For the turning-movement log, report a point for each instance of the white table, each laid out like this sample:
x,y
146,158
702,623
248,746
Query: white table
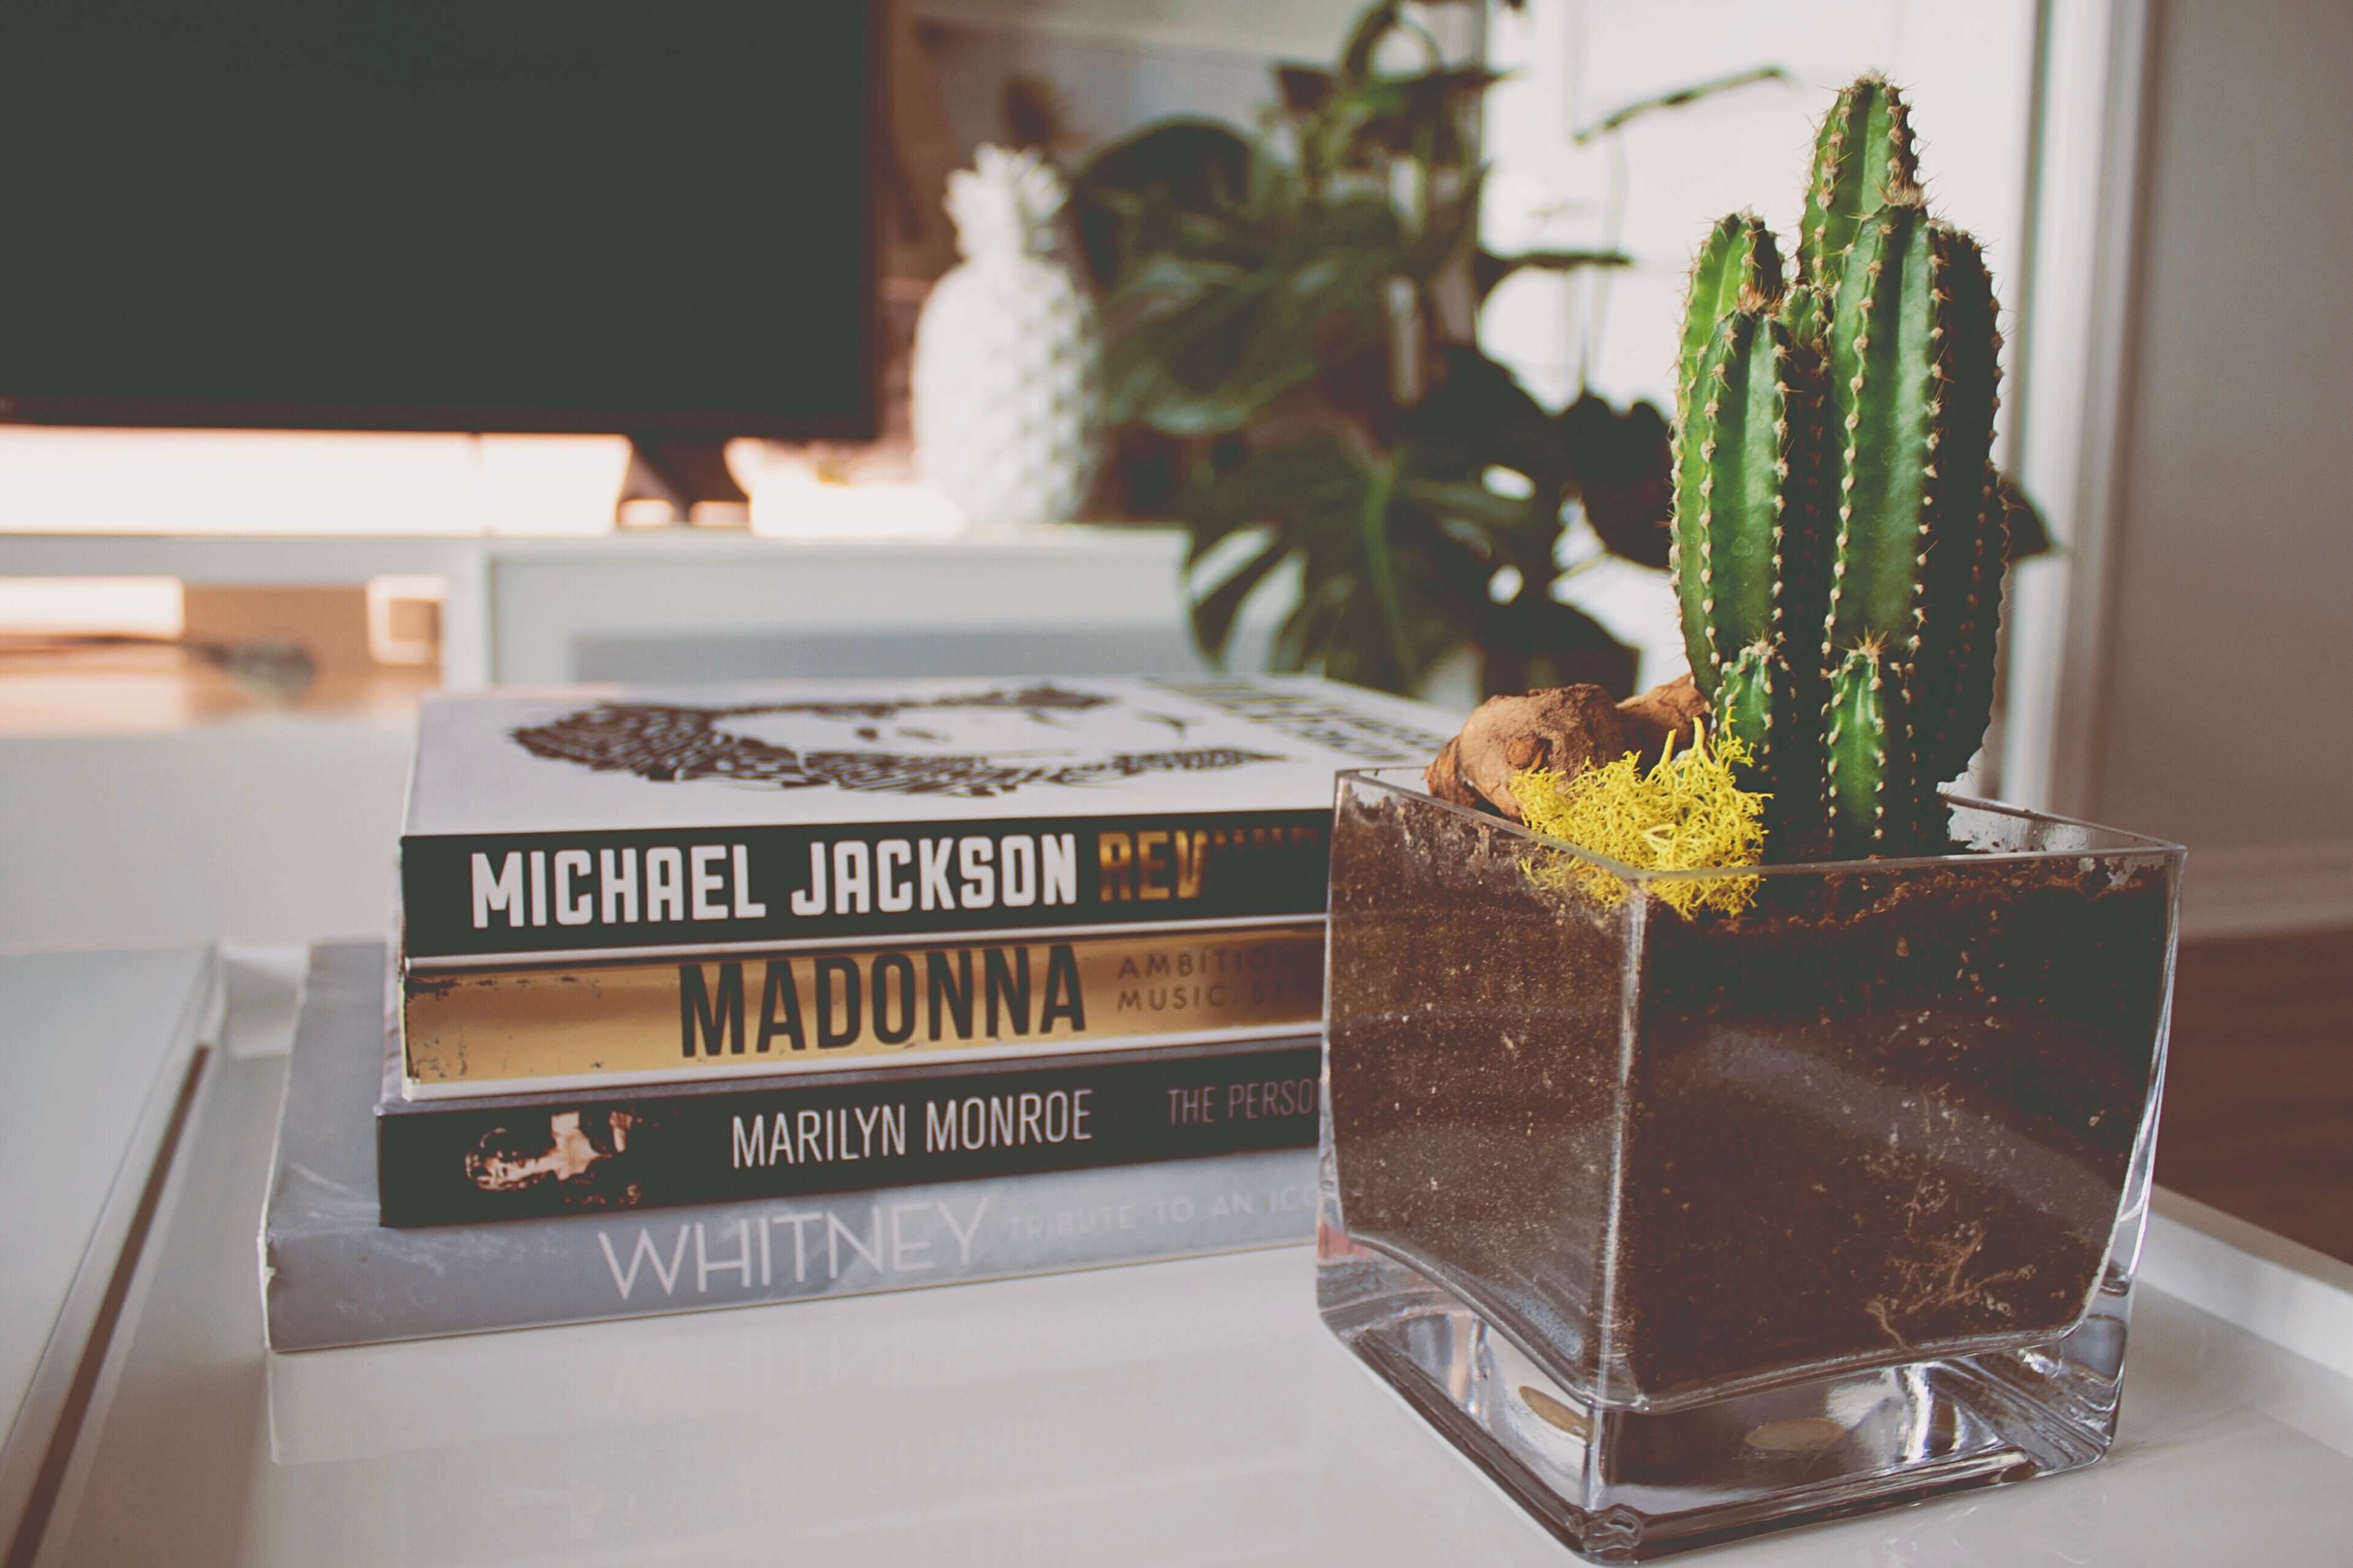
x,y
1181,1412
95,1052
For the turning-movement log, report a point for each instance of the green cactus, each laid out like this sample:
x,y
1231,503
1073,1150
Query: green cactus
x,y
1750,534
1840,535
1862,151
1738,255
1870,770
1913,369
1806,313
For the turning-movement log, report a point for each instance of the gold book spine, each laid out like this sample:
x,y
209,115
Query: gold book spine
x,y
640,1022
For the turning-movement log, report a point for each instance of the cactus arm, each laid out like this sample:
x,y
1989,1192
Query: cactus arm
x,y
1959,606
1805,314
1738,254
1745,697
1883,396
1749,537
1728,497
1771,704
1914,371
1862,153
1873,797
1914,353
1965,658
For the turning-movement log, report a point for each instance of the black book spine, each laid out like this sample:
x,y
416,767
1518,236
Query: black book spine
x,y
461,1162
505,895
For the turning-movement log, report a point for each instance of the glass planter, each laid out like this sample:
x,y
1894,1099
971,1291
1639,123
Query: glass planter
x,y
1688,1229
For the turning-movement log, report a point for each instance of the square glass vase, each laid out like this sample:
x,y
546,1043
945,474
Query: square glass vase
x,y
1685,1229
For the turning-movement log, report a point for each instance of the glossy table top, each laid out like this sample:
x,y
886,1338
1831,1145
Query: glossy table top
x,y
1174,1413
95,1049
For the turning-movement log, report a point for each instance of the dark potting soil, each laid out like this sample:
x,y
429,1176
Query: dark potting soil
x,y
1880,1116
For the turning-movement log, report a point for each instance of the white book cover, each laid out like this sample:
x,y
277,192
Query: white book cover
x,y
603,758
617,821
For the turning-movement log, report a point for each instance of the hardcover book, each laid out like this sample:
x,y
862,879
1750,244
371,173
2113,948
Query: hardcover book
x,y
458,1162
584,1025
620,821
333,1275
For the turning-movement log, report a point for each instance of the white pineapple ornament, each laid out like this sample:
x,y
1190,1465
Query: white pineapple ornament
x,y
1008,375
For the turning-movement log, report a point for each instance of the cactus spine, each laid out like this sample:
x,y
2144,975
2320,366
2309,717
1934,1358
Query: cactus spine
x,y
1840,537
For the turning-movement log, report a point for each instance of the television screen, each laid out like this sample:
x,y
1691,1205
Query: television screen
x,y
631,215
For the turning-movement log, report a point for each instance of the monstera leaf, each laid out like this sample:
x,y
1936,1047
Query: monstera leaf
x,y
1621,465
1204,344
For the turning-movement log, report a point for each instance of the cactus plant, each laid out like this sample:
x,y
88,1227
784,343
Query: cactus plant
x,y
1840,536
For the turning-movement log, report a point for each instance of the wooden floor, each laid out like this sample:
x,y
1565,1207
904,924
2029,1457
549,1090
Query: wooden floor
x,y
2259,1096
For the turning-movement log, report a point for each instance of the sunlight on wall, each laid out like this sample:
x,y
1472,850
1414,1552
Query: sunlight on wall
x,y
69,606
55,480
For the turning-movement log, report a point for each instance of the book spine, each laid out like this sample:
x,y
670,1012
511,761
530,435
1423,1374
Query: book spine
x,y
461,1162
528,1030
473,898
356,1284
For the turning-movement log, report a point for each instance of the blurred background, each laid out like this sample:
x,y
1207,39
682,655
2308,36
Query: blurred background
x,y
347,351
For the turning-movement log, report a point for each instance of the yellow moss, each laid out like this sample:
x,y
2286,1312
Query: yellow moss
x,y
1685,814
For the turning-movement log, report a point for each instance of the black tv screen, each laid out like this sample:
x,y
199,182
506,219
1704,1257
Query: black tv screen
x,y
631,215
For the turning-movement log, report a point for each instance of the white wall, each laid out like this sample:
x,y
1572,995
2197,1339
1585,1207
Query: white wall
x,y
2226,718
2221,720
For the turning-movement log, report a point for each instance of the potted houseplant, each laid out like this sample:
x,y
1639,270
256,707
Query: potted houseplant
x,y
1292,370
1763,1135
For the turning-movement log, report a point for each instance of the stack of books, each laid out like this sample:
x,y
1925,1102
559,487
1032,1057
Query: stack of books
x,y
871,984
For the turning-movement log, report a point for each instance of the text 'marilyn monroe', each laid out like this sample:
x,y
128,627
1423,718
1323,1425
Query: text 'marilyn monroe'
x,y
812,1136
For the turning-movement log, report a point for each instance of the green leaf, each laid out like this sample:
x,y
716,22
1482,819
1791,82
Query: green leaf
x,y
1174,168
1678,98
1373,524
1622,469
1386,590
1536,641
1366,120
1488,269
1365,40
1203,348
2030,531
1473,503
1305,90
1214,613
1447,229
1273,485
1477,416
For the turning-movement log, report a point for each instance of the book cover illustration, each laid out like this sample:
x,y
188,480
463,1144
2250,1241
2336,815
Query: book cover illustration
x,y
969,745
594,758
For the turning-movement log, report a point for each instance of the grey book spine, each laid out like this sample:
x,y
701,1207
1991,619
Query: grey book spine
x,y
333,1275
